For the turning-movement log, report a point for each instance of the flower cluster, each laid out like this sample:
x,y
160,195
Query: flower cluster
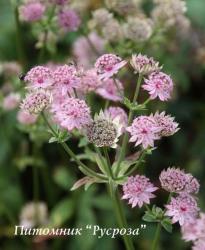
x,y
138,190
146,129
175,180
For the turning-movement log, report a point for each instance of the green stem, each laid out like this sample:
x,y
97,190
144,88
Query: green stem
x,y
70,152
130,117
122,223
156,237
35,183
137,163
45,36
19,40
108,162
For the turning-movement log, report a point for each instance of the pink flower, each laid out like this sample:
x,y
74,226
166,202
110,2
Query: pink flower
x,y
114,112
11,101
111,90
26,118
194,231
65,78
138,190
144,130
199,245
39,77
159,85
36,102
167,123
175,180
189,231
32,11
87,55
108,65
144,65
89,81
182,209
72,113
68,20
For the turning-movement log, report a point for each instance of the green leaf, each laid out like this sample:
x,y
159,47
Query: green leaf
x,y
61,213
167,225
63,178
83,142
100,162
82,181
149,217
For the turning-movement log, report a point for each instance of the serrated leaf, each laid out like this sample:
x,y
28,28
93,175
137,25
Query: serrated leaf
x,y
167,225
149,217
100,162
52,140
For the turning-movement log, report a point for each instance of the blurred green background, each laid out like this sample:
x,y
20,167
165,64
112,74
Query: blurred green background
x,y
185,149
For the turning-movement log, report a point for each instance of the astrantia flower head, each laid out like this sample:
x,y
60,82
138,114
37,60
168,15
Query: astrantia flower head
x,y
111,89
199,245
39,77
89,81
112,31
26,118
175,180
11,101
72,113
182,209
144,65
192,185
159,85
104,131
194,231
34,214
138,29
36,102
32,11
114,112
167,123
65,78
101,17
60,2
144,130
138,190
108,65
68,20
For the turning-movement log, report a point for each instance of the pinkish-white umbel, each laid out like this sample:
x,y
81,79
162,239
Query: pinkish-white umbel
x,y
114,112
32,11
26,118
65,78
39,77
68,20
175,180
111,89
167,123
72,113
11,101
159,85
182,209
138,190
144,65
144,130
108,65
